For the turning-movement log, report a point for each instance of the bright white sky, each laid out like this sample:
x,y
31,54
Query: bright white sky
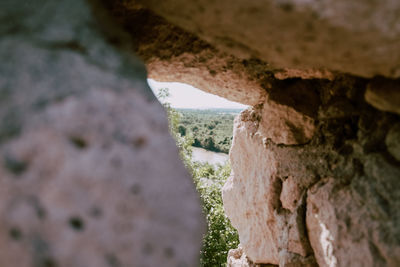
x,y
186,96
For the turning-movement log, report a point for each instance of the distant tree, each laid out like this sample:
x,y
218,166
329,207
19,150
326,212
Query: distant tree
x,y
197,143
184,143
182,130
209,144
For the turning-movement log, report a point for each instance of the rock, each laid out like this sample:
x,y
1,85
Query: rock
x,y
173,54
237,258
89,175
291,194
304,74
251,198
322,237
288,259
393,141
347,228
249,206
220,81
350,217
358,37
384,94
284,125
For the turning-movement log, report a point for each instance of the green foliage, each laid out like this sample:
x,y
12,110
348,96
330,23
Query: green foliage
x,y
184,142
220,236
211,128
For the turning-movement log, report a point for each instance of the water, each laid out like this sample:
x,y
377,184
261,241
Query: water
x,y
214,158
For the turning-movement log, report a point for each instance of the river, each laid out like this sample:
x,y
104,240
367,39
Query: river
x,y
202,155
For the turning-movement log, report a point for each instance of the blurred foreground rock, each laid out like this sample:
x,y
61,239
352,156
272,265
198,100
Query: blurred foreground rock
x,y
89,175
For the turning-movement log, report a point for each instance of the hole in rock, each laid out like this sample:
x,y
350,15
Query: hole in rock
x,y
15,165
49,262
202,125
15,233
76,223
78,142
136,189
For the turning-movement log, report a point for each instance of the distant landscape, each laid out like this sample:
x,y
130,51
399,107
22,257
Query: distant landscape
x,y
211,129
200,134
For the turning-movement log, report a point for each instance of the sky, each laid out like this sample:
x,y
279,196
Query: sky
x,y
186,96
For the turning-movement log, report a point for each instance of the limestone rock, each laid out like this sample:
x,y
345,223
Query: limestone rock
x,y
237,258
284,125
288,259
322,237
351,217
291,194
393,141
211,76
346,228
251,198
384,94
173,54
249,206
89,175
358,37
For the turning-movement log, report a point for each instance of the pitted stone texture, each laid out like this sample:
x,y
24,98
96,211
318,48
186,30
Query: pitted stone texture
x,y
347,228
251,198
358,37
90,191
89,175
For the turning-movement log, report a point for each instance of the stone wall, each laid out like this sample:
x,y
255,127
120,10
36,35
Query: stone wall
x,y
89,175
315,159
330,200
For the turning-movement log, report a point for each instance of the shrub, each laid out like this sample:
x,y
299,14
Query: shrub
x,y
220,236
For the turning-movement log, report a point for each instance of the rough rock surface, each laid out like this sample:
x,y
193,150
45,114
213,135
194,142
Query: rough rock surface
x,y
308,121
348,229
251,198
284,125
358,37
281,203
173,54
393,141
291,194
237,258
89,175
384,94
